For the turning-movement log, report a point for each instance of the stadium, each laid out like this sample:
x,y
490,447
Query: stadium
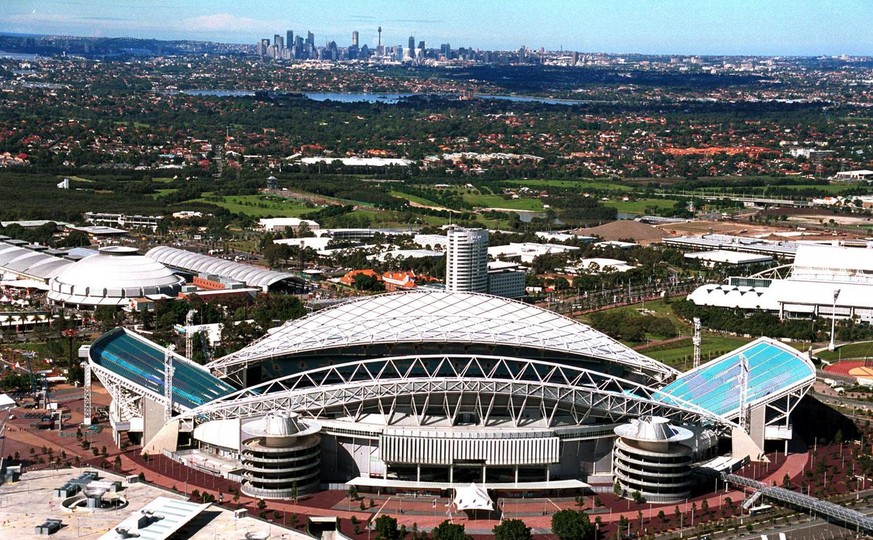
x,y
436,390
826,281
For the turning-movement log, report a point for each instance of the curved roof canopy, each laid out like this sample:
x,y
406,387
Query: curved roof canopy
x,y
435,316
140,363
775,369
27,262
112,277
253,276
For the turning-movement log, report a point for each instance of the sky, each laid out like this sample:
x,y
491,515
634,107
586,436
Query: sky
x,y
739,27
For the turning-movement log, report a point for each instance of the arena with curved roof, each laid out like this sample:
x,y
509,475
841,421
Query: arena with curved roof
x,y
198,263
430,390
113,277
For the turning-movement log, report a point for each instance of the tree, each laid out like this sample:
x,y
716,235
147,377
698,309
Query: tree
x,y
448,531
572,525
511,529
366,282
386,528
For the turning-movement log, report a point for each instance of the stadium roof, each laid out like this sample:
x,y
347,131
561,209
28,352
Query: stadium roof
x,y
835,263
735,296
774,369
142,363
26,262
253,276
438,316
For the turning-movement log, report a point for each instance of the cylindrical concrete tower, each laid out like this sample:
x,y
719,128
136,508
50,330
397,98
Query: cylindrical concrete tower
x,y
283,459
648,458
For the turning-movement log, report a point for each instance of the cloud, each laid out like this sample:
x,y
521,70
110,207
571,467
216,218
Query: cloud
x,y
224,22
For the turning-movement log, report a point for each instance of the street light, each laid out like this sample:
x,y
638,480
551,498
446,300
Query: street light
x,y
832,345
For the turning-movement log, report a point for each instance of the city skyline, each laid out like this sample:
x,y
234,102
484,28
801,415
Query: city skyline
x,y
740,27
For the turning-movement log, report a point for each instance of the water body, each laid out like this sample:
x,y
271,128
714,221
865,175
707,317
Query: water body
x,y
532,99
526,216
361,97
218,93
386,98
18,56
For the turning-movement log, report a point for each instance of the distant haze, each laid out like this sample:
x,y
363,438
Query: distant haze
x,y
741,27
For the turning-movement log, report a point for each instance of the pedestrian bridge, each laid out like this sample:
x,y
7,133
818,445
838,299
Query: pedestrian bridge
x,y
817,507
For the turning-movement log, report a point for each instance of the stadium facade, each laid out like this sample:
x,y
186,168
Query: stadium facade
x,y
823,280
431,390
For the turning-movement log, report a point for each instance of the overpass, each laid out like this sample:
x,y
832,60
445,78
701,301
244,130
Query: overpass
x,y
833,512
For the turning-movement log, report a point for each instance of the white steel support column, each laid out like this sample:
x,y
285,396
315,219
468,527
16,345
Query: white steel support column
x,y
88,413
168,383
833,344
744,393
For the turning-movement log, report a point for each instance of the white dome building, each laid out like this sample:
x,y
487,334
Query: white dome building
x,y
112,277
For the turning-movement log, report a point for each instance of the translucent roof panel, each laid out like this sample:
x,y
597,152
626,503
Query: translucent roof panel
x,y
436,316
253,276
142,363
774,369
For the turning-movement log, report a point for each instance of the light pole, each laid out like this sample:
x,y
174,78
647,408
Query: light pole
x,y
832,345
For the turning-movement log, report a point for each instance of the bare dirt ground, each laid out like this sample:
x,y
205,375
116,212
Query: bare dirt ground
x,y
739,228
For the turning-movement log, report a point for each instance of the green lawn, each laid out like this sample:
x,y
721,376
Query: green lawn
x,y
164,192
497,201
863,349
579,184
639,206
412,198
680,354
258,205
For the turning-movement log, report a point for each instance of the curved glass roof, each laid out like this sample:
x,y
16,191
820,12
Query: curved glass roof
x,y
774,369
252,276
142,363
435,316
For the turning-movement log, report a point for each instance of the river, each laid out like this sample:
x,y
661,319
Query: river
x,y
381,97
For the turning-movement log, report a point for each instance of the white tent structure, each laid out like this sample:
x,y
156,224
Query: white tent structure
x,y
6,402
472,497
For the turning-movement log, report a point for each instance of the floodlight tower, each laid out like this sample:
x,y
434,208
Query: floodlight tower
x,y
696,341
87,412
744,392
189,341
833,345
168,382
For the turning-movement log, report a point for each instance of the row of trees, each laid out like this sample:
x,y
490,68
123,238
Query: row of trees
x,y
566,525
742,322
628,325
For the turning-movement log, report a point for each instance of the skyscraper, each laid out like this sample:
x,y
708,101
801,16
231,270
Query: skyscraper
x,y
355,38
310,39
467,260
289,38
263,45
412,44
